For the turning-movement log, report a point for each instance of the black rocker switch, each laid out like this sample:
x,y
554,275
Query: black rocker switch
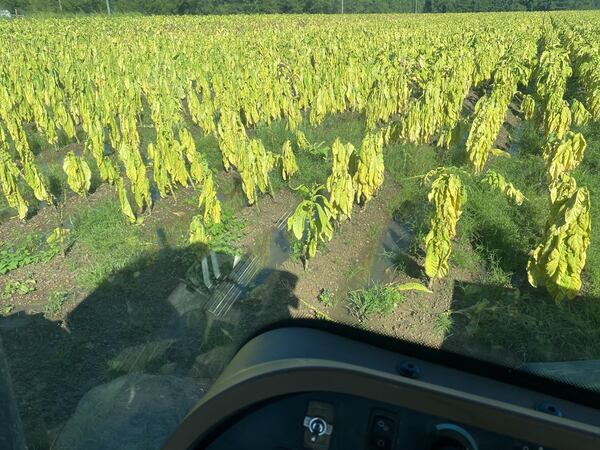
x,y
382,432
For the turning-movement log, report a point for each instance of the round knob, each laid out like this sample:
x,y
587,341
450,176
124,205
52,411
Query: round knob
x,y
452,437
317,426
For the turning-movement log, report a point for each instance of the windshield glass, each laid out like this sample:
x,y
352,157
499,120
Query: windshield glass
x,y
171,185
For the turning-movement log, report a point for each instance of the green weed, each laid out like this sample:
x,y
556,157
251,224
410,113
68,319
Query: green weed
x,y
37,141
398,260
7,310
326,298
6,211
57,180
225,235
348,126
311,170
273,136
55,303
319,150
314,163
296,248
18,288
443,323
495,275
31,250
378,300
499,229
209,147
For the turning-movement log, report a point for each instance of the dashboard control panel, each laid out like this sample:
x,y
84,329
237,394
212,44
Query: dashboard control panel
x,y
298,388
329,421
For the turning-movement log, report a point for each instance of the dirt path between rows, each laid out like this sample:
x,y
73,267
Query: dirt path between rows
x,y
344,264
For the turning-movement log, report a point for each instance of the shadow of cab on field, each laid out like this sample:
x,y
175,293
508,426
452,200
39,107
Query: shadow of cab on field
x,y
147,319
524,328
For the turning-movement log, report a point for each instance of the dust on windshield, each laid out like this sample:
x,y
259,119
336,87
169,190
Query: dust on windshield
x,y
192,179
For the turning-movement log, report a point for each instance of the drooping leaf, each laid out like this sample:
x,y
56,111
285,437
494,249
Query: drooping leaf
x,y
413,286
497,181
447,194
79,176
558,260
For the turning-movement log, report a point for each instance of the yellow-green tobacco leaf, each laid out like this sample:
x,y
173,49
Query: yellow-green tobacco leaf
x,y
79,176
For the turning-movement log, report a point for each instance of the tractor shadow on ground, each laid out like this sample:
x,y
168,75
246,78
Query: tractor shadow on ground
x,y
145,319
519,326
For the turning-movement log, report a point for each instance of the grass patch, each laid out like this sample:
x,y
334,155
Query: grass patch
x,y
209,147
493,234
315,165
230,187
404,163
532,141
443,323
379,300
397,259
111,244
354,271
502,233
527,323
224,239
495,275
404,160
312,169
37,141
6,310
465,257
57,180
56,302
375,230
348,126
272,136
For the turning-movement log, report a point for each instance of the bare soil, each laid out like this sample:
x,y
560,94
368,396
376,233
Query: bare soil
x,y
344,264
